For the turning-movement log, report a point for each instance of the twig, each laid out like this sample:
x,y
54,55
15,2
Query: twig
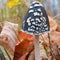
x,y
50,46
7,53
56,16
44,46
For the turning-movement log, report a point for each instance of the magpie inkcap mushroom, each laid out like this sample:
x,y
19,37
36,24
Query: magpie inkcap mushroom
x,y
36,20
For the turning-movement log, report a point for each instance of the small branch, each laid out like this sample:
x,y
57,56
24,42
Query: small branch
x,y
7,53
44,43
50,46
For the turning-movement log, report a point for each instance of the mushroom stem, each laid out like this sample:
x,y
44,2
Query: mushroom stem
x,y
37,50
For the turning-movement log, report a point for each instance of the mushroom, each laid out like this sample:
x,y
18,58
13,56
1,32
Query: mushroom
x,y
36,22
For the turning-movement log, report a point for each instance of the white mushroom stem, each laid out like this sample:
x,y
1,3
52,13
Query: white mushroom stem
x,y
37,48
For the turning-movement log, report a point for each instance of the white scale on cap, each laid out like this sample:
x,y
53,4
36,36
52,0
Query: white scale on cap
x,y
33,22
28,20
37,2
29,23
36,14
32,26
39,10
38,19
32,19
36,5
30,11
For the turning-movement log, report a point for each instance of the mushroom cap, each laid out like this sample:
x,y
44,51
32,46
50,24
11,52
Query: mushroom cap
x,y
36,20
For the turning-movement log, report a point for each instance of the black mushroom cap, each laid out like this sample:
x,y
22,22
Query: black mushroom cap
x,y
36,20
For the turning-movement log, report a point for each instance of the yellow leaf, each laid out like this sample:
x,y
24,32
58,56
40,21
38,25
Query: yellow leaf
x,y
12,3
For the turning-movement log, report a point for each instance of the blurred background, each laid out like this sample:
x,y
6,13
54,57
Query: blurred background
x,y
17,13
